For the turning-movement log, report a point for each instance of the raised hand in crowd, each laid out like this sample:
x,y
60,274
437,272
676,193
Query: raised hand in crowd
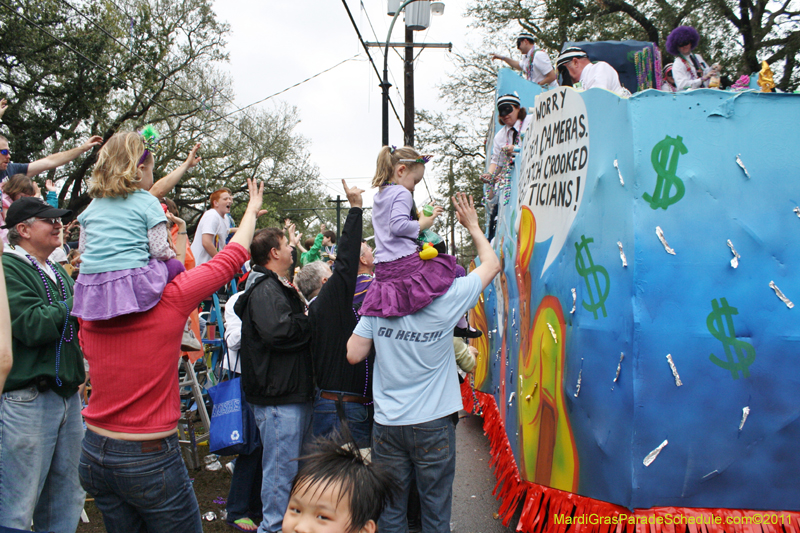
x,y
292,235
468,217
353,195
465,212
50,186
3,107
247,226
71,226
192,159
163,186
94,140
261,213
179,246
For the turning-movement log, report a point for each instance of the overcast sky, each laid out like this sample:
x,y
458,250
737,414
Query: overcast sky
x,y
275,44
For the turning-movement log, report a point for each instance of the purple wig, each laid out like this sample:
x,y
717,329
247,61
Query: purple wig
x,y
680,36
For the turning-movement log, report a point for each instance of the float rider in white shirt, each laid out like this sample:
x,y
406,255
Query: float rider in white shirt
x,y
535,64
587,75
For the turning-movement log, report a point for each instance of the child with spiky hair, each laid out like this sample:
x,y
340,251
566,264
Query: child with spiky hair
x,y
337,490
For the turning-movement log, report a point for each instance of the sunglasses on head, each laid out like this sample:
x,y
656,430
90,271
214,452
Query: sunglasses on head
x,y
505,109
5,152
421,159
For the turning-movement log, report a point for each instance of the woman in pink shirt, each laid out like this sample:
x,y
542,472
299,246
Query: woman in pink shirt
x,y
131,462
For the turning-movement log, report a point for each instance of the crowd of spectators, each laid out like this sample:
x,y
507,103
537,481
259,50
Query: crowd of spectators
x,y
312,367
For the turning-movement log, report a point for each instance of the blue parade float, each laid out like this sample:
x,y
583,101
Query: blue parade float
x,y
640,362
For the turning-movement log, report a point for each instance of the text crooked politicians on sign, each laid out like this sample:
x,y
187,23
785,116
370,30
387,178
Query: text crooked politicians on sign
x,y
555,155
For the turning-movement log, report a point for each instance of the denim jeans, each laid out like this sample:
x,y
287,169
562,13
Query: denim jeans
x,y
40,444
139,486
358,416
428,450
283,429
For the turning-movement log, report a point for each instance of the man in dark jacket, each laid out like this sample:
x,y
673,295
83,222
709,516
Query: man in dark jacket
x,y
276,369
40,412
344,390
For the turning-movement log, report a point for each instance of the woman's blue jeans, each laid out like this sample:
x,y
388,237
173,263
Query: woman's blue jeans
x,y
139,486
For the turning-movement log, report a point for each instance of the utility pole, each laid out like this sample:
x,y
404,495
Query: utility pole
x,y
338,203
385,85
408,71
451,182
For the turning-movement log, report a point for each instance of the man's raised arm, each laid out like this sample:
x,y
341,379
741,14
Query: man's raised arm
x,y
468,217
62,158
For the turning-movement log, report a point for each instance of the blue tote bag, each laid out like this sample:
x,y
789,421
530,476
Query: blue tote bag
x,y
233,426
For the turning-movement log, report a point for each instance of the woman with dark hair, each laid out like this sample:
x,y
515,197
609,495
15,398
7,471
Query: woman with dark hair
x,y
689,70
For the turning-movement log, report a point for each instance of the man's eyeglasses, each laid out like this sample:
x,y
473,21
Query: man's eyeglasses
x,y
505,109
52,221
6,152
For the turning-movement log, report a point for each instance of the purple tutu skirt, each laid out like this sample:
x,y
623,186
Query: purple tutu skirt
x,y
134,290
406,285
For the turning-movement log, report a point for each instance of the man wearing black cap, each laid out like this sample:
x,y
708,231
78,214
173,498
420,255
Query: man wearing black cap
x,y
535,64
40,412
586,75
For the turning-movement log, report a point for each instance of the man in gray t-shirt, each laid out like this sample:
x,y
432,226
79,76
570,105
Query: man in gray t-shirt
x,y
416,391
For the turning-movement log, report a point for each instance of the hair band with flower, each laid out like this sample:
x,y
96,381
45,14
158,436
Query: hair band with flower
x,y
151,138
421,159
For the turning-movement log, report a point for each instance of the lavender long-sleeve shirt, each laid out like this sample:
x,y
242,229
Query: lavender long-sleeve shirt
x,y
395,231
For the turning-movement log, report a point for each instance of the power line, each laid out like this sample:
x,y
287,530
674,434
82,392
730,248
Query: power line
x,y
396,85
293,86
366,49
166,78
124,82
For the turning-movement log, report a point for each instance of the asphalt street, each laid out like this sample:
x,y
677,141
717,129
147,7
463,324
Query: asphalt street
x,y
474,506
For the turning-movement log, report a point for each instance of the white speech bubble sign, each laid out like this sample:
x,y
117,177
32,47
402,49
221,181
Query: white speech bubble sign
x,y
555,157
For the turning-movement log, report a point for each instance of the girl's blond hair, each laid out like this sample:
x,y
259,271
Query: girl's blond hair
x,y
388,159
115,173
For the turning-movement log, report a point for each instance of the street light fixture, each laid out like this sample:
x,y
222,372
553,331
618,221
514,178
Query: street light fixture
x,y
385,85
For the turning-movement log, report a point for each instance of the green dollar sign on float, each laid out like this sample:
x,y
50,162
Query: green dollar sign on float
x,y
745,353
665,156
587,268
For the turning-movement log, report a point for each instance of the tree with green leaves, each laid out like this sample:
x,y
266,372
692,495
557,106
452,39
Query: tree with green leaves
x,y
738,34
71,70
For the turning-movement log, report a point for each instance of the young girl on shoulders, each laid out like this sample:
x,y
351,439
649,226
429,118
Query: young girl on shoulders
x,y
404,282
126,257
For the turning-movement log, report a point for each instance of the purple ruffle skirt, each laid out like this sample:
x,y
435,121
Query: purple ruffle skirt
x,y
406,285
121,292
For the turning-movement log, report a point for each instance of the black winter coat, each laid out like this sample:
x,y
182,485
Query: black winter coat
x,y
276,340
